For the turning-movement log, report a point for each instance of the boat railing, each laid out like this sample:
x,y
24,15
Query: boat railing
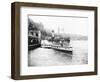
x,y
56,46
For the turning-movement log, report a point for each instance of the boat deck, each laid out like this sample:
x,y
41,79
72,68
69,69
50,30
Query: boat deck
x,y
67,49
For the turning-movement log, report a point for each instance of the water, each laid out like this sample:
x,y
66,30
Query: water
x,y
50,57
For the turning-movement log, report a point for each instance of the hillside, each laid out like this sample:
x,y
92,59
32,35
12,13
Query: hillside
x,y
47,33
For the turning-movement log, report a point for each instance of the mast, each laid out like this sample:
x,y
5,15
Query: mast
x,y
58,30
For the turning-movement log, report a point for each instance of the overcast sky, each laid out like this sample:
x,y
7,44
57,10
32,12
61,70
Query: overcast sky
x,y
72,25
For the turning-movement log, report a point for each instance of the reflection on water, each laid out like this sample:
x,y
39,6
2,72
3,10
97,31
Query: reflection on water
x,y
50,57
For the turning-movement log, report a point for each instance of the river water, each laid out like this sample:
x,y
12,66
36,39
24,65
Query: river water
x,y
50,57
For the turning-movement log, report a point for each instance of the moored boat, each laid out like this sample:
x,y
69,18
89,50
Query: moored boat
x,y
63,49
67,49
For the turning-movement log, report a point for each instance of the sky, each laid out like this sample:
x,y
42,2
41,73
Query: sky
x,y
68,25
